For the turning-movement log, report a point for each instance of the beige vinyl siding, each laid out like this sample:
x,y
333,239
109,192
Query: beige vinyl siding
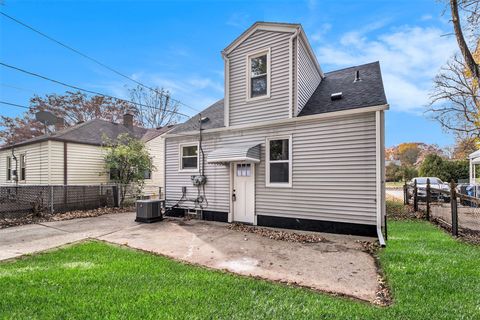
x,y
85,164
36,163
333,175
275,107
156,148
56,162
307,74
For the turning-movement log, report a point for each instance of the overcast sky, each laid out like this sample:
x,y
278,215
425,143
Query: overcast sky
x,y
176,45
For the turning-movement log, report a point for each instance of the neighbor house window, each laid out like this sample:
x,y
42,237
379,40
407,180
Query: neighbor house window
x,y
279,162
9,168
22,168
258,75
114,174
189,157
147,174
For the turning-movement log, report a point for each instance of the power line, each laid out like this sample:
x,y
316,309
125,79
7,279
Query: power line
x,y
85,90
14,104
93,60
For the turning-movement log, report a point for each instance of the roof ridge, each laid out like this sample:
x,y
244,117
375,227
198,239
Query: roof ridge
x,y
352,67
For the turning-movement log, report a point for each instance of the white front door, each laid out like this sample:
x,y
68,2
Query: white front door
x,y
243,196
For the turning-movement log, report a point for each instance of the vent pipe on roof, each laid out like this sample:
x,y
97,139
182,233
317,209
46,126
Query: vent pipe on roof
x,y
59,124
357,76
336,96
128,120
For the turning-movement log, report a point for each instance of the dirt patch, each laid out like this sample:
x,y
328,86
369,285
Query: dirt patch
x,y
45,217
278,235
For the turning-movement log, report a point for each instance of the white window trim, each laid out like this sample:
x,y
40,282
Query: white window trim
x,y
267,163
8,160
250,56
24,166
180,156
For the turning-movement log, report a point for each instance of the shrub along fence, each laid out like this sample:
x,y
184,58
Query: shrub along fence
x,y
457,212
17,201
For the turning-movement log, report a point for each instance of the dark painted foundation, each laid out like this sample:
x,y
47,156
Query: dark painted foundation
x,y
317,225
207,215
215,216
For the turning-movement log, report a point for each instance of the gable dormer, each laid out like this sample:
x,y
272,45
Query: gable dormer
x,y
270,73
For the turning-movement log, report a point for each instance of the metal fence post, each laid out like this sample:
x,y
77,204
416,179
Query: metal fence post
x,y
427,215
454,208
405,193
415,197
51,200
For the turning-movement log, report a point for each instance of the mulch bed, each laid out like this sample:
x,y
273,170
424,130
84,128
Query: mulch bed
x,y
45,217
278,235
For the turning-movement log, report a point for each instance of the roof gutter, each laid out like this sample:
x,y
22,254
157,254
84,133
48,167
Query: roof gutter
x,y
326,115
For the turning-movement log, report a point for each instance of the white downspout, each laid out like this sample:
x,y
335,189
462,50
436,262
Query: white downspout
x,y
226,95
290,77
379,175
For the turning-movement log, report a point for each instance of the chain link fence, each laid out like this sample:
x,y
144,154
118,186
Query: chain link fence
x,y
450,207
17,201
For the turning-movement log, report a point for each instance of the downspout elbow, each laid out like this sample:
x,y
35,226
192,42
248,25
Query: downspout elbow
x,y
381,239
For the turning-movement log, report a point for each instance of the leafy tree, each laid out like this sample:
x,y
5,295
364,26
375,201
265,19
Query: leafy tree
x,y
408,153
408,172
393,172
463,148
127,160
446,170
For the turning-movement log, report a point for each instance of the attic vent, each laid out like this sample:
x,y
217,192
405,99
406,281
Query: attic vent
x,y
336,96
357,76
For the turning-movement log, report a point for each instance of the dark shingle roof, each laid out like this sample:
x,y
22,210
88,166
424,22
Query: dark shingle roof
x,y
93,132
365,93
214,113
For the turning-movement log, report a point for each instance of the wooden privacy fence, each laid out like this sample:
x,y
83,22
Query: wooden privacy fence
x,y
454,210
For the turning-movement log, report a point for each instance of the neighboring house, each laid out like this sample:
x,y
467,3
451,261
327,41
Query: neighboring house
x,y
75,156
288,146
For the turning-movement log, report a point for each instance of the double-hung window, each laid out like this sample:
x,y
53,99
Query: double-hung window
x,y
9,168
279,162
189,157
258,75
22,168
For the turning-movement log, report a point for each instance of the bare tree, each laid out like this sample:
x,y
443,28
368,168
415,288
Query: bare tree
x,y
155,108
73,107
454,100
471,10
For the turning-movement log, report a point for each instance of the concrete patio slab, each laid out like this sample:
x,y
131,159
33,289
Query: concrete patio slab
x,y
337,265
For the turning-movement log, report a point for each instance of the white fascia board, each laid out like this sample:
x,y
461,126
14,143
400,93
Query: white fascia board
x,y
327,115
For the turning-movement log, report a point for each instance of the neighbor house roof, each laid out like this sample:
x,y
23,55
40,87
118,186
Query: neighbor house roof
x,y
367,92
93,132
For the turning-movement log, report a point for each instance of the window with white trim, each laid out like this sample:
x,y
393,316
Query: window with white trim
x,y
23,168
189,157
258,75
279,161
9,168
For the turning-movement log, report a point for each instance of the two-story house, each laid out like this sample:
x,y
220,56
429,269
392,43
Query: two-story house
x,y
288,146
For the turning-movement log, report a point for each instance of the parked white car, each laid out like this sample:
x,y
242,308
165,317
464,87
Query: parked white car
x,y
435,184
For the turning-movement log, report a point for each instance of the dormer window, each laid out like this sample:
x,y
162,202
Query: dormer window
x,y
258,74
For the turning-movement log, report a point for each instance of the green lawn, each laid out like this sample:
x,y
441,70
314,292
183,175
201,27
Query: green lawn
x,y
394,184
432,276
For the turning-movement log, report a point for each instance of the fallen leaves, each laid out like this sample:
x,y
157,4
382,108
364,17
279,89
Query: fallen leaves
x,y
30,218
277,235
